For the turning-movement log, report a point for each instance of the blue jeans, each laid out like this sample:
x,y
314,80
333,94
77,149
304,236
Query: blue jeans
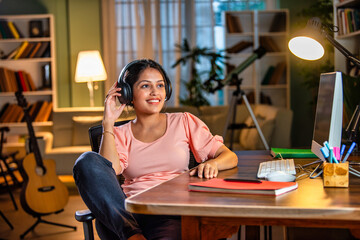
x,y
100,190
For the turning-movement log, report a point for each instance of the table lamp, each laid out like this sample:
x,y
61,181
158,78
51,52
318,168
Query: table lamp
x,y
90,68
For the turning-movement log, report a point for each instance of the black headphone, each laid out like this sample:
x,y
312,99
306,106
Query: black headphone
x,y
126,91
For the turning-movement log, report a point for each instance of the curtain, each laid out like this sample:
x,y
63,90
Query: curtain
x,y
134,29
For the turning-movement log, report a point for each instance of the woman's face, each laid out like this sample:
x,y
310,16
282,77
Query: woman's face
x,y
149,92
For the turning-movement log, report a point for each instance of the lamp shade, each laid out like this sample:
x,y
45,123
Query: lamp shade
x,y
307,43
90,67
306,48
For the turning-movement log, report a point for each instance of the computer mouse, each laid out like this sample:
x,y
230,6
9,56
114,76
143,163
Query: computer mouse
x,y
280,176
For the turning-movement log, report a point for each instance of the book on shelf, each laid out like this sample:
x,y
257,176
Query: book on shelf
x,y
18,114
12,113
277,77
12,54
267,76
21,49
4,109
36,109
291,153
278,23
45,115
21,81
44,46
233,24
2,31
13,29
217,185
3,85
5,30
35,50
29,81
40,115
238,47
27,50
269,44
9,81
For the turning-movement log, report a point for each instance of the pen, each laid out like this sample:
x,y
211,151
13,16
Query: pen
x,y
342,151
325,152
326,144
333,155
349,151
242,180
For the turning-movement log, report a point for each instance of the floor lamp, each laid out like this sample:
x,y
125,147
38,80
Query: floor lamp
x,y
90,68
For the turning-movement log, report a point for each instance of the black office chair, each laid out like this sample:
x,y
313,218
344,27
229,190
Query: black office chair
x,y
86,216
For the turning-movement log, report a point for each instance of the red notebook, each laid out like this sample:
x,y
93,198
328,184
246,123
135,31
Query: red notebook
x,y
262,188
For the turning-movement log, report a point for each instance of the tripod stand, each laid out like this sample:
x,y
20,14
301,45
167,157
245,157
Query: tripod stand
x,y
238,94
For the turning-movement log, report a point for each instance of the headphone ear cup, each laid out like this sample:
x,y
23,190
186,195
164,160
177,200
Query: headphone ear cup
x,y
168,88
126,94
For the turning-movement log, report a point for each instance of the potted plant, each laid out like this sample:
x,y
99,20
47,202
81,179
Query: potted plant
x,y
195,85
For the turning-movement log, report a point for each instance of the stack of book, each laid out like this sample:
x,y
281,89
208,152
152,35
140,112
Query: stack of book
x,y
29,50
12,81
39,111
348,20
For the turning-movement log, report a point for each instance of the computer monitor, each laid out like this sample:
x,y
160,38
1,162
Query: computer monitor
x,y
329,113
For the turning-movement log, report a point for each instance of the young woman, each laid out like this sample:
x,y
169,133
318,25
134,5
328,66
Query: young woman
x,y
149,150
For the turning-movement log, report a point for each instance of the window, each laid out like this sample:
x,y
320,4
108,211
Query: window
x,y
152,28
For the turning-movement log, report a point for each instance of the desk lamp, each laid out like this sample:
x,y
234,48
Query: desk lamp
x,y
90,68
307,45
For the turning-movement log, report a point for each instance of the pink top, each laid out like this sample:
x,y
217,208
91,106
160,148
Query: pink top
x,y
148,164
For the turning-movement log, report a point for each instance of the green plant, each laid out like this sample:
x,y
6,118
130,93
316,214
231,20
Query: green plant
x,y
195,86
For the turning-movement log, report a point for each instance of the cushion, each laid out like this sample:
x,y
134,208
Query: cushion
x,y
249,137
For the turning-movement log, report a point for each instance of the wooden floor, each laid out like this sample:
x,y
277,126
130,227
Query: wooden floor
x,y
22,221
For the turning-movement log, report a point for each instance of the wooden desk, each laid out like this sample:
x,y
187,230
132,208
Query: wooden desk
x,y
216,215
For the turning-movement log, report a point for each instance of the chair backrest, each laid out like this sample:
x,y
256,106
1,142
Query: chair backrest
x,y
95,133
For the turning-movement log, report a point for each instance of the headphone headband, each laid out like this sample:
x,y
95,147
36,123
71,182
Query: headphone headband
x,y
126,90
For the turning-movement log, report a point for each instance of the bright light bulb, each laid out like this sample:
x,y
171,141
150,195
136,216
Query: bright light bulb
x,y
306,48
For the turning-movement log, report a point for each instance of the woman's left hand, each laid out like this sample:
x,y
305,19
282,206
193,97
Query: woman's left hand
x,y
208,169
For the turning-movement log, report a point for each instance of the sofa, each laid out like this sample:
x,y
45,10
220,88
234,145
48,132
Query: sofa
x,y
69,136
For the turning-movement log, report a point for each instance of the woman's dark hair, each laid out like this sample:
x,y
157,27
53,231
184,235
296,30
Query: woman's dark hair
x,y
134,71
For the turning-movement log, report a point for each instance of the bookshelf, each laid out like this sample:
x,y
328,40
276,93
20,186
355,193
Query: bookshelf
x,y
245,31
27,51
349,34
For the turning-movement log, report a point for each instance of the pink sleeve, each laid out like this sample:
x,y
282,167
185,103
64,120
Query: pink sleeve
x,y
122,146
202,143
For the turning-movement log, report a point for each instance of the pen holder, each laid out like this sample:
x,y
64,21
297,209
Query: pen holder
x,y
336,174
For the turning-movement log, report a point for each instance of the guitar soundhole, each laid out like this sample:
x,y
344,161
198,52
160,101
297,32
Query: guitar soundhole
x,y
40,171
46,189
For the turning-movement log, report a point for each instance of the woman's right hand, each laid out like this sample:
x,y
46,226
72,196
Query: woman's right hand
x,y
111,110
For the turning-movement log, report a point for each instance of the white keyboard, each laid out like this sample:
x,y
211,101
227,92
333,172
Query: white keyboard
x,y
285,165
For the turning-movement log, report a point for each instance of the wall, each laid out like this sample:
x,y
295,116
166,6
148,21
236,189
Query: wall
x,y
76,28
303,121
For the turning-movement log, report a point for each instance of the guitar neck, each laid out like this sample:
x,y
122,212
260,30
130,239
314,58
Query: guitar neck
x,y
33,144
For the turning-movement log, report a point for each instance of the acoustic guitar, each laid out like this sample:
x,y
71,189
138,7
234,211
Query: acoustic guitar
x,y
42,192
